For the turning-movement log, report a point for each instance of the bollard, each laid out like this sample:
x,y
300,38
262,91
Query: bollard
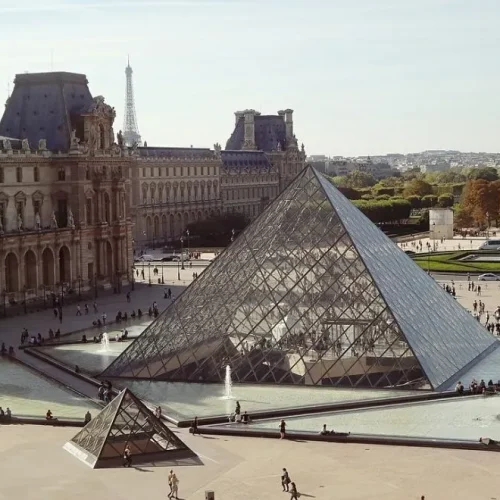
x,y
209,495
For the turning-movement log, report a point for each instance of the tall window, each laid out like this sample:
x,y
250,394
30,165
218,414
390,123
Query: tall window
x,y
36,174
87,173
88,207
61,174
20,209
1,175
37,206
62,213
2,213
19,174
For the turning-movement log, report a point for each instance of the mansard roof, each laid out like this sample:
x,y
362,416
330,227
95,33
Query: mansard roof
x,y
245,159
44,106
166,152
269,131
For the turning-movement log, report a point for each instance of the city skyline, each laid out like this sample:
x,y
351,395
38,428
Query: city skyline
x,y
363,80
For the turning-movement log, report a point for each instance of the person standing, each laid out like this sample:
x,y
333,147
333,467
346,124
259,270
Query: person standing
x,y
285,480
195,426
282,429
127,457
78,310
294,494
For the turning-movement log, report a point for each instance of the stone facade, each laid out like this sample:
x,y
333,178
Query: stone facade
x,y
173,187
64,191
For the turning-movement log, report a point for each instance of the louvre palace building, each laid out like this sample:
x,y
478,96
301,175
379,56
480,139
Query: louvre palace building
x,y
75,201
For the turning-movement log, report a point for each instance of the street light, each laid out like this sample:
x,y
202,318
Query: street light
x,y
232,235
95,285
149,268
179,270
79,287
182,253
187,232
162,280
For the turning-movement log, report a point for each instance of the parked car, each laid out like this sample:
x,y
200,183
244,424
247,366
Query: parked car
x,y
145,258
488,277
409,252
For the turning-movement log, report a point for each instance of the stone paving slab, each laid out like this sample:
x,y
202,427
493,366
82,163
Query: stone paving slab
x,y
34,466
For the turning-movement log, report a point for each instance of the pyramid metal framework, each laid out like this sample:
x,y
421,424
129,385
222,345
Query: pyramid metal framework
x,y
313,293
126,421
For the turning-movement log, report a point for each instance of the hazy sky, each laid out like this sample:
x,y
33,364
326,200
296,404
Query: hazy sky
x,y
363,76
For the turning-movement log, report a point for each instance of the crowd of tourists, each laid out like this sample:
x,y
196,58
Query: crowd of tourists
x,y
481,387
105,391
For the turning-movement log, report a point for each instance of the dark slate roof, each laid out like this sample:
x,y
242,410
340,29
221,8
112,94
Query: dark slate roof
x,y
245,159
44,106
269,130
153,152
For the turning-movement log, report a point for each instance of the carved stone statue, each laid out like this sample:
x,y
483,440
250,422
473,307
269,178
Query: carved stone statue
x,y
119,138
38,222
19,222
25,145
217,150
53,221
42,145
278,146
71,219
302,148
74,140
111,136
7,145
83,148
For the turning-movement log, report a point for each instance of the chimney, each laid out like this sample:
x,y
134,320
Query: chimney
x,y
237,116
249,139
289,123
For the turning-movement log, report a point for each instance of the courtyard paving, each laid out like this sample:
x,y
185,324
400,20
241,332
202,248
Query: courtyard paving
x,y
34,466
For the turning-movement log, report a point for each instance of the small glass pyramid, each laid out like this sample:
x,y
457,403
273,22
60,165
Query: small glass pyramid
x,y
126,421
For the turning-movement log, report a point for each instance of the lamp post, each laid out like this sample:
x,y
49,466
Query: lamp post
x,y
62,293
187,233
24,297
79,287
4,295
232,235
182,253
95,285
162,280
133,278
179,270
149,269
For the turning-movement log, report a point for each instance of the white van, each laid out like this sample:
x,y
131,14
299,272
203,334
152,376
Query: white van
x,y
490,245
145,258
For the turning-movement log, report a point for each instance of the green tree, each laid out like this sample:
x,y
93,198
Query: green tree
x,y
485,173
415,201
358,179
445,200
429,200
417,187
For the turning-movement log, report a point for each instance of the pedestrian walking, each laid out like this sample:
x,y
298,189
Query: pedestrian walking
x,y
195,426
294,494
175,487
127,457
285,480
104,316
282,429
128,296
86,309
95,307
78,311
170,475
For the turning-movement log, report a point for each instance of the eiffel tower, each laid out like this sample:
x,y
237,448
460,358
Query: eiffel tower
x,y
131,134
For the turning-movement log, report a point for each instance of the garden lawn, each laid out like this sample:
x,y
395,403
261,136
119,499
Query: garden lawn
x,y
447,261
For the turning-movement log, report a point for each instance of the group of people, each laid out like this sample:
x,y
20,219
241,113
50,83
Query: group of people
x,y
481,387
288,485
4,351
105,392
238,417
5,415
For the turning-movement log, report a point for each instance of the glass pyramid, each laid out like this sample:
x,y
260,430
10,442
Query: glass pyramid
x,y
126,421
313,293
